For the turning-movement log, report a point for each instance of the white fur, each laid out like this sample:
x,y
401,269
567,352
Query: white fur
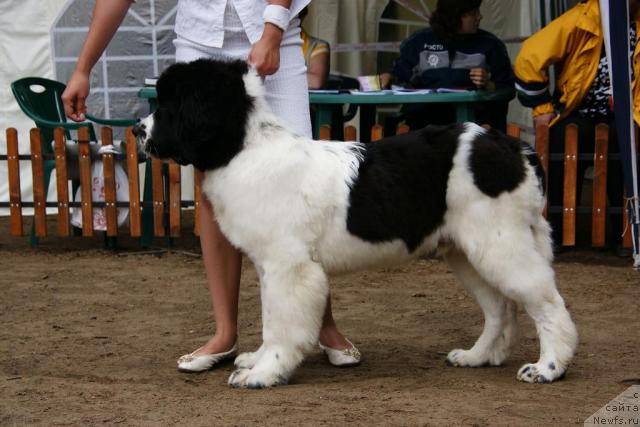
x,y
284,199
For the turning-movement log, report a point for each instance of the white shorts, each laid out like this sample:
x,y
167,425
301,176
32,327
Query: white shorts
x,y
286,90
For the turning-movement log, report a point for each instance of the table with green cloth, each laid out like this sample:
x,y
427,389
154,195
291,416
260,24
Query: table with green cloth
x,y
324,104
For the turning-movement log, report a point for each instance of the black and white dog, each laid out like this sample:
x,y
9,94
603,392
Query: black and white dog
x,y
301,209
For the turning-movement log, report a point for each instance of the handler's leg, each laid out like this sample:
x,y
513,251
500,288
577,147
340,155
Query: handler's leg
x,y
222,263
287,95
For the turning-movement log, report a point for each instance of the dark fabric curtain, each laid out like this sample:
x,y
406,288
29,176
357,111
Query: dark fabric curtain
x,y
623,108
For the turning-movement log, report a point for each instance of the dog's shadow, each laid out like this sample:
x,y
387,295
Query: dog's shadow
x,y
401,362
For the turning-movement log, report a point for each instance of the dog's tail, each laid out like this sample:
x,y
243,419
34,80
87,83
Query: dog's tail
x,y
532,157
540,227
542,237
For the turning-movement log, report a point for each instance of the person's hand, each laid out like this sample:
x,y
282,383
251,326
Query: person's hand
x,y
74,96
543,119
479,76
385,80
265,54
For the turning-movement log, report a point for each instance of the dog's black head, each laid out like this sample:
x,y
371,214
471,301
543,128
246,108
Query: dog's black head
x,y
202,113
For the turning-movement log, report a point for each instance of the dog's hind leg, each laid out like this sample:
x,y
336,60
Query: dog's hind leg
x,y
500,325
516,267
294,295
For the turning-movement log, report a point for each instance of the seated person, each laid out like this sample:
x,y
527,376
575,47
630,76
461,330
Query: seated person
x,y
584,97
316,57
454,53
316,54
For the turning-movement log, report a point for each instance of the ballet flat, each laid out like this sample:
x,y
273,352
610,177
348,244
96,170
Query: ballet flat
x,y
343,357
192,363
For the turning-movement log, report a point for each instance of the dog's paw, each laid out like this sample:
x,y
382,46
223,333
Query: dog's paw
x,y
246,360
466,359
251,378
539,373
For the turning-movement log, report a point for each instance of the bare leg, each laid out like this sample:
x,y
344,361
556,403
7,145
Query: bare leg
x,y
330,336
222,263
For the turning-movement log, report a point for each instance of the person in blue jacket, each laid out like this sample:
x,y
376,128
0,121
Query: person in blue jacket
x,y
454,53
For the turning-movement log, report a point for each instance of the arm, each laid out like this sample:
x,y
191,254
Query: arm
x,y
107,16
498,72
265,54
404,65
481,77
318,68
540,51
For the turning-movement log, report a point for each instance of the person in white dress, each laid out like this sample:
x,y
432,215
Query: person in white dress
x,y
267,35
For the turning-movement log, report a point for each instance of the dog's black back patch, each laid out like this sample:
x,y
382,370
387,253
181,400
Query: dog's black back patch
x,y
400,190
496,163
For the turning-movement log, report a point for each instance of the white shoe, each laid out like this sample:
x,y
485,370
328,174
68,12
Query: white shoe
x,y
343,358
192,363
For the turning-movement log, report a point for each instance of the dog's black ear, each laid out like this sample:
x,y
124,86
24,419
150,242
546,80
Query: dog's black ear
x,y
212,113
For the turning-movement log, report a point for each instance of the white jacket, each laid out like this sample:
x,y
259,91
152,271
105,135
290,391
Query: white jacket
x,y
202,21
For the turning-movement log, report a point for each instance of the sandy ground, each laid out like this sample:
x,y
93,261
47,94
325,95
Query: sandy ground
x,y
91,338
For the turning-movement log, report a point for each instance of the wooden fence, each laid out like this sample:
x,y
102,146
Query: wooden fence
x,y
159,206
167,213
569,208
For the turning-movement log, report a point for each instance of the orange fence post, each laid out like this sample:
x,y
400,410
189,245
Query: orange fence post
x,y
542,148
570,183
15,197
158,197
350,133
62,185
109,174
325,133
37,169
402,128
377,133
84,163
513,130
599,210
175,197
133,176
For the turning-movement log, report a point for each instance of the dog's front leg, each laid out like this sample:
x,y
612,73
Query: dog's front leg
x,y
294,295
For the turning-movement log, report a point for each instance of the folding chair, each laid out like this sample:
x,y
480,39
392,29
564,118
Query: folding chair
x,y
41,100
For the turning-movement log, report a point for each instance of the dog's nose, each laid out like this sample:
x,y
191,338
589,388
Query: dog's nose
x,y
140,130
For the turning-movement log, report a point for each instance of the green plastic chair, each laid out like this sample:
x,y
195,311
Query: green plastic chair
x,y
41,100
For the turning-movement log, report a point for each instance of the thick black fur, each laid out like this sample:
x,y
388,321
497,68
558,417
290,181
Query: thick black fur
x,y
202,113
400,191
534,160
496,163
